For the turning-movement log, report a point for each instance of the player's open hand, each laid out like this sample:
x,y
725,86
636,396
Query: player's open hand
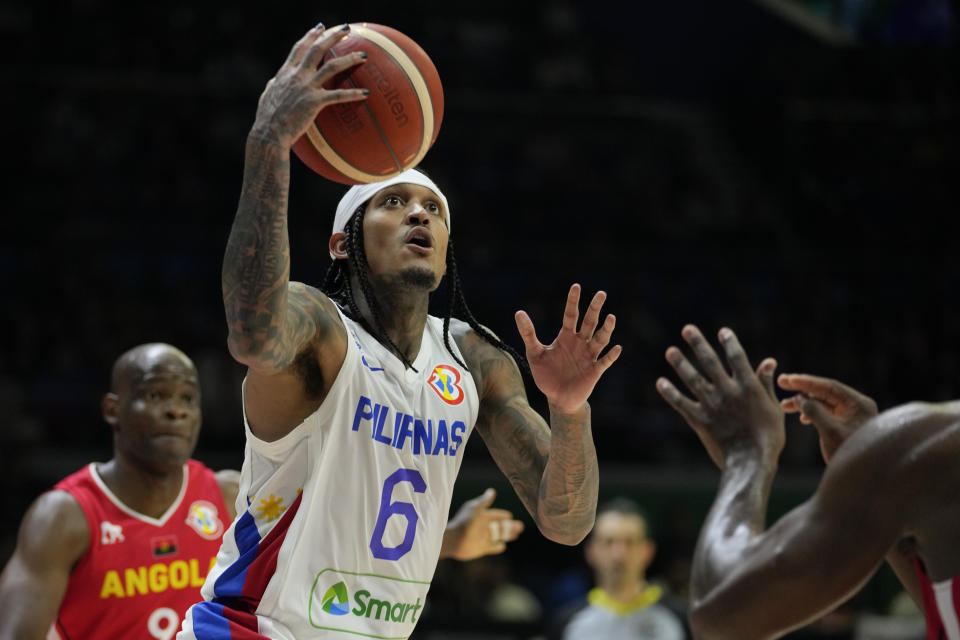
x,y
567,370
833,408
295,95
734,412
477,530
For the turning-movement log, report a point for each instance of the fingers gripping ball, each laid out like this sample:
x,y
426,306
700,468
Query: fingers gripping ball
x,y
390,131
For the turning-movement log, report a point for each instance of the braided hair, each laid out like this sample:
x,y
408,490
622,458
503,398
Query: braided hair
x,y
336,284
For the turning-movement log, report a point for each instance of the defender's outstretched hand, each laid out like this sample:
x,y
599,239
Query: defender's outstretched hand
x,y
567,370
293,97
477,530
833,408
732,412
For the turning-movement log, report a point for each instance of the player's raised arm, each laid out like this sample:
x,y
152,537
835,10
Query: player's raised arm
x,y
747,582
553,469
53,537
269,320
837,411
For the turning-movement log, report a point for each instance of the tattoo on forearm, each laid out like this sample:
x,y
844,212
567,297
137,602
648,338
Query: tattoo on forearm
x,y
256,265
571,479
525,448
554,471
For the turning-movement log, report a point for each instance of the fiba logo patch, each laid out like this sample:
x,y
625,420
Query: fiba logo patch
x,y
202,518
334,601
445,380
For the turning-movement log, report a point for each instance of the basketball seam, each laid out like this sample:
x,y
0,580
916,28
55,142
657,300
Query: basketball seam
x,y
424,99
373,118
331,155
348,169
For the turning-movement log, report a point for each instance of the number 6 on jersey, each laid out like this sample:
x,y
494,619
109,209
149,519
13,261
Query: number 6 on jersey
x,y
405,509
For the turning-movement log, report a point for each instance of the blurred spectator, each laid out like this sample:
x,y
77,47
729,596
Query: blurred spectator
x,y
623,605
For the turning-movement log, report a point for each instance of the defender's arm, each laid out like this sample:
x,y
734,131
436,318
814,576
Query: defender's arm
x,y
53,537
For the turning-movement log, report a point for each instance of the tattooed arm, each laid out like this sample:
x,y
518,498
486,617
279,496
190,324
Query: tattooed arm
x,y
267,325
270,320
276,327
553,469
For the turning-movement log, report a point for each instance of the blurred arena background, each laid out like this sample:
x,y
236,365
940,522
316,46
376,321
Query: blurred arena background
x,y
786,168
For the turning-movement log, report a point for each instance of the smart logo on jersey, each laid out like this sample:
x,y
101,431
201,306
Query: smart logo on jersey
x,y
337,592
202,518
375,600
445,380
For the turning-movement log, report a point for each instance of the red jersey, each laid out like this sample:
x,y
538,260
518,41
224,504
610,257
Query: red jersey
x,y
140,574
941,604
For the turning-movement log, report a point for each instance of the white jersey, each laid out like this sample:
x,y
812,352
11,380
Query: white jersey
x,y
342,519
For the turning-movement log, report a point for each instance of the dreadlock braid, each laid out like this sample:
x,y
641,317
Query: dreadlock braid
x,y
334,282
357,258
456,303
352,234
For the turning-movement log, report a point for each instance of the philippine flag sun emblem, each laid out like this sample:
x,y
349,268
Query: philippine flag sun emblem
x,y
445,380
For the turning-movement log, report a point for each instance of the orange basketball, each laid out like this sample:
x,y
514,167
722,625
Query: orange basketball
x,y
393,128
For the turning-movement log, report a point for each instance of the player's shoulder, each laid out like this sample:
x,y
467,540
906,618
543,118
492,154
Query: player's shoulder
x,y
53,536
472,344
906,433
330,331
313,301
901,449
928,434
56,518
485,361
304,291
82,477
197,466
199,471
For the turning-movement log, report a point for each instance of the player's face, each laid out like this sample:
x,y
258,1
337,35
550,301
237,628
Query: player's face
x,y
158,413
618,549
405,234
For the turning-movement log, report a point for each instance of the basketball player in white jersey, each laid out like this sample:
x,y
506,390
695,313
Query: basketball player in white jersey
x,y
358,403
889,491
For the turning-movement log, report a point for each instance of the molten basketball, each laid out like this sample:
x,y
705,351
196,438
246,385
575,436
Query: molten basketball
x,y
393,128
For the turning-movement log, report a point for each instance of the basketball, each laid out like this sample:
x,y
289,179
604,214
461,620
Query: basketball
x,y
389,132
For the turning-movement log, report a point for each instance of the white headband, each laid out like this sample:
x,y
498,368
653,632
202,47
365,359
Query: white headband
x,y
360,193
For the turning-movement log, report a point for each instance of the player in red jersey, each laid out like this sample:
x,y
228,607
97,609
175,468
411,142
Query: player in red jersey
x,y
120,549
889,491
